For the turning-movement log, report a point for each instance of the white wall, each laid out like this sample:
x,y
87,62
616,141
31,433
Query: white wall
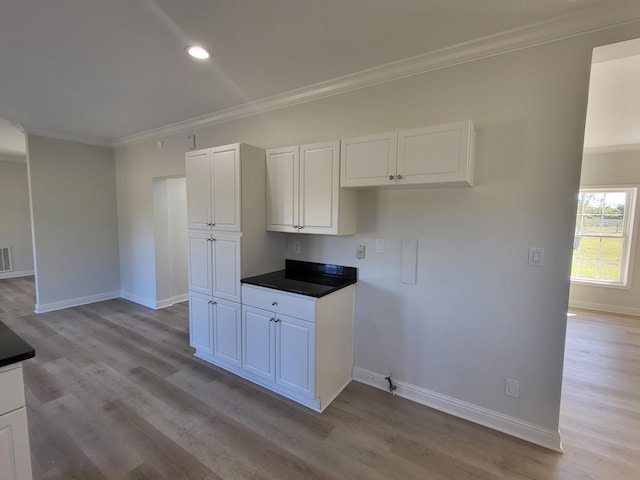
x,y
478,313
74,222
170,213
617,168
15,224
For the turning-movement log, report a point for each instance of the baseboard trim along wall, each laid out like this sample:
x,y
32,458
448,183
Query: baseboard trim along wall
x,y
167,302
601,307
480,415
75,302
153,304
16,274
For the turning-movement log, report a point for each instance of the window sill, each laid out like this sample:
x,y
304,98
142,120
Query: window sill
x,y
591,283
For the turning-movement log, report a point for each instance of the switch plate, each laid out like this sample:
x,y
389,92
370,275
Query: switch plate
x,y
536,257
512,388
379,245
191,141
360,252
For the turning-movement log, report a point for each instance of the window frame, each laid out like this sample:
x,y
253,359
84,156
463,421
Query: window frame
x,y
628,237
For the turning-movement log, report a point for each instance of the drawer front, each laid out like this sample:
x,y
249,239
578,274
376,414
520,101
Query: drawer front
x,y
276,301
11,389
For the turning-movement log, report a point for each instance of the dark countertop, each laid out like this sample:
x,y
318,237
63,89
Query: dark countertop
x,y
306,278
13,349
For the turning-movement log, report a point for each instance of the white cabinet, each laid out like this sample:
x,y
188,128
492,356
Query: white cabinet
x,y
369,161
214,264
303,191
226,241
214,328
298,346
442,155
15,457
280,349
213,196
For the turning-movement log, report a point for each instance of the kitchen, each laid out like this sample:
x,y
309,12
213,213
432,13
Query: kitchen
x,y
478,313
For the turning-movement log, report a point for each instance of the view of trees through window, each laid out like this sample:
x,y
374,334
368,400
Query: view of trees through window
x,y
599,252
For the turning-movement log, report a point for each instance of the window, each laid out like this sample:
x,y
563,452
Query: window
x,y
602,243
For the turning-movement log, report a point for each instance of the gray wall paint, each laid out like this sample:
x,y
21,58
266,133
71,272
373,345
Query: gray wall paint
x,y
15,224
478,313
621,168
74,221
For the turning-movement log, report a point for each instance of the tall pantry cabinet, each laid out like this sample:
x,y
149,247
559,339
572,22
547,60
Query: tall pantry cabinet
x,y
227,241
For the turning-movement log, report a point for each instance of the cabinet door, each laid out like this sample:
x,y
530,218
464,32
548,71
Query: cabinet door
x,y
282,189
15,459
226,267
295,354
226,331
319,185
225,181
200,276
198,179
436,155
200,323
258,342
369,161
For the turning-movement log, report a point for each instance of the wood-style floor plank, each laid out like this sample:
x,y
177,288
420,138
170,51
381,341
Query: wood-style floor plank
x,y
114,392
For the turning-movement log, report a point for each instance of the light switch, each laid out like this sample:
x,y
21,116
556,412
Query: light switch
x,y
536,257
379,245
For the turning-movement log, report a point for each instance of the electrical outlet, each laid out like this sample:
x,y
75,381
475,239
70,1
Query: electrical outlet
x,y
296,246
512,388
360,252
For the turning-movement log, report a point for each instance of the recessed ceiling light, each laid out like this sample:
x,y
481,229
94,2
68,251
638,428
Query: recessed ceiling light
x,y
196,51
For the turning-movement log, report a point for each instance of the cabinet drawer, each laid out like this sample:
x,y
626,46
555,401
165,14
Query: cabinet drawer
x,y
11,389
279,302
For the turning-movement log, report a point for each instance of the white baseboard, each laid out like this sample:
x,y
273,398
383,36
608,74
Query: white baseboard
x,y
601,307
145,302
155,305
75,302
468,411
16,274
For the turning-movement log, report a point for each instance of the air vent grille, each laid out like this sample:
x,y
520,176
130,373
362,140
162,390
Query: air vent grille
x,y
5,259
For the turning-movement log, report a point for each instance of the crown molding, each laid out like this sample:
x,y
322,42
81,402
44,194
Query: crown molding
x,y
540,33
629,147
97,142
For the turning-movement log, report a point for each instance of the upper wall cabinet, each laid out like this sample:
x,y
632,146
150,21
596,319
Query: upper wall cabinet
x,y
213,196
440,155
303,191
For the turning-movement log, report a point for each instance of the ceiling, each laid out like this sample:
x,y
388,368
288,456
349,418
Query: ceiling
x,y
102,71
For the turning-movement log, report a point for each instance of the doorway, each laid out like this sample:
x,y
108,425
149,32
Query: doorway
x,y
606,267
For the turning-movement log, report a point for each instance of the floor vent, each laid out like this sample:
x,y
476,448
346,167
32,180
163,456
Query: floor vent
x,y
5,259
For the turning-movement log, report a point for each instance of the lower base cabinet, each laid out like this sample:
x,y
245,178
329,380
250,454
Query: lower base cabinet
x,y
280,349
214,328
298,346
15,457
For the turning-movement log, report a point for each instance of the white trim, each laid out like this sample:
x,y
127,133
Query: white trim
x,y
145,302
489,418
75,302
602,307
97,142
629,147
18,273
167,302
540,33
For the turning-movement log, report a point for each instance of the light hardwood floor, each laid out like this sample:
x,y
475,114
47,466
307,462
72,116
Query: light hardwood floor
x,y
115,393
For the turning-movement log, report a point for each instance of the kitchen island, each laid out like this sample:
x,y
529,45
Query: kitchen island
x,y
15,457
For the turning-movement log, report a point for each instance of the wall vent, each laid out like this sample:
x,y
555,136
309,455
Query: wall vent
x,y
5,259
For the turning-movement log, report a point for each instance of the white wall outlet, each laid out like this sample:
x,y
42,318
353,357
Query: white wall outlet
x,y
360,252
296,246
379,245
536,256
512,388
